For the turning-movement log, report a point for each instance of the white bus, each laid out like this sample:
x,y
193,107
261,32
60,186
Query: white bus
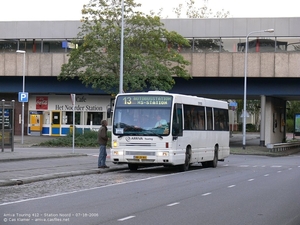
x,y
160,128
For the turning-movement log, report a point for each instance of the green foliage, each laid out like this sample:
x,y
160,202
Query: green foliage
x,y
199,12
293,107
249,127
290,125
147,62
88,139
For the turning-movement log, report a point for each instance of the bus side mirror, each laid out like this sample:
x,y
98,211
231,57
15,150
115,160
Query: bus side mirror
x,y
175,129
108,113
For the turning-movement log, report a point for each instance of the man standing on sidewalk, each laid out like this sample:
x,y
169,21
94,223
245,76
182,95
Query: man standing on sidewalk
x,y
102,140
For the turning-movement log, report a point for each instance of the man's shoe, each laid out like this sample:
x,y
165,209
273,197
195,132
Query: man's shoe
x,y
103,167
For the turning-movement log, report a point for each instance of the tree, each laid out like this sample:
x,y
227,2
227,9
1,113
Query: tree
x,y
293,107
202,45
148,62
202,12
252,108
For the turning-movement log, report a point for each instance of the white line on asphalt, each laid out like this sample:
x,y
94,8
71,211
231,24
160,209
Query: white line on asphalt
x,y
266,175
279,171
126,218
206,194
244,165
231,186
225,165
251,180
276,166
94,188
172,204
255,166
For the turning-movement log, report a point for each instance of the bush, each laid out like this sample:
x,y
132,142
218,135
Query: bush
x,y
88,139
290,125
249,127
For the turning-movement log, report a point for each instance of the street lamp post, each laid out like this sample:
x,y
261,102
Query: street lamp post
x,y
23,90
122,50
245,81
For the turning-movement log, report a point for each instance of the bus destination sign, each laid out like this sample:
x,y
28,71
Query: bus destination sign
x,y
145,100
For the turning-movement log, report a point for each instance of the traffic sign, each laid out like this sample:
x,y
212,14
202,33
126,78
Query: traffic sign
x,y
234,104
23,97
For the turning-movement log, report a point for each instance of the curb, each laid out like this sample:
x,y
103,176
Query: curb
x,y
43,157
28,180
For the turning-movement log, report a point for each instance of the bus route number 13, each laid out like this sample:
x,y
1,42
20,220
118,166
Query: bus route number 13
x,y
127,101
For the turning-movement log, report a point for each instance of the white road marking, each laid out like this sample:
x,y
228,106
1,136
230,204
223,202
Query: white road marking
x,y
276,166
206,194
172,204
231,186
244,165
251,180
266,175
279,171
126,218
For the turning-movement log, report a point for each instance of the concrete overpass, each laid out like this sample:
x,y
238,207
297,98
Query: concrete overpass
x,y
272,76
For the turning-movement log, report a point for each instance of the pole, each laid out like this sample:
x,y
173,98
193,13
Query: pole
x,y
232,122
73,104
122,50
245,82
245,91
23,90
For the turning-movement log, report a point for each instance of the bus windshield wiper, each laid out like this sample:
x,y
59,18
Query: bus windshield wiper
x,y
158,135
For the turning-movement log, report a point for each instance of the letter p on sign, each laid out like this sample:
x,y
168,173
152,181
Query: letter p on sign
x,y
23,97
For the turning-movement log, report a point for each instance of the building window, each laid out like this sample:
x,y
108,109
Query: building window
x,y
70,118
94,118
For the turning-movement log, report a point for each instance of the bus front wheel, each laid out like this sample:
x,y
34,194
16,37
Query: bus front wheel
x,y
132,167
186,165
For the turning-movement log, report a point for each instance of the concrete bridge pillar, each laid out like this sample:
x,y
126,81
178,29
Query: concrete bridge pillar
x,y
262,119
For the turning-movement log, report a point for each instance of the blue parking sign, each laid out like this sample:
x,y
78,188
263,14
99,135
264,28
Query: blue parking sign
x,y
23,97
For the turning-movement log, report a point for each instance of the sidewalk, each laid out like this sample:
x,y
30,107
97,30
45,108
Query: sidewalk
x,y
29,163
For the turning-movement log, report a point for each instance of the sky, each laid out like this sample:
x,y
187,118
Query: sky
x,y
43,10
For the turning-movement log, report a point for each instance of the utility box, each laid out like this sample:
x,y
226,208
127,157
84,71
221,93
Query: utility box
x,y
7,124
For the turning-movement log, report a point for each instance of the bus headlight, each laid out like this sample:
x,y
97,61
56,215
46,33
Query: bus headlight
x,y
163,154
115,144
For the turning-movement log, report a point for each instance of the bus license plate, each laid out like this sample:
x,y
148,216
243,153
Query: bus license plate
x,y
140,157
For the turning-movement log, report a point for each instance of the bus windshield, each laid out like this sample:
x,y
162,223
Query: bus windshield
x,y
142,115
142,121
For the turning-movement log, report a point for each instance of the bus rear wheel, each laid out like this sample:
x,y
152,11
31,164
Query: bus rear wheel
x,y
214,162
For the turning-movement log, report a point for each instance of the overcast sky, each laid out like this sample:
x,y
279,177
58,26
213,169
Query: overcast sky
x,y
20,10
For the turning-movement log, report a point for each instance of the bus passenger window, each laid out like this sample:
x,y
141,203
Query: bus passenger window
x,y
209,118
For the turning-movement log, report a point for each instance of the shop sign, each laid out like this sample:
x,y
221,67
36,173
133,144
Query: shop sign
x,y
41,102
